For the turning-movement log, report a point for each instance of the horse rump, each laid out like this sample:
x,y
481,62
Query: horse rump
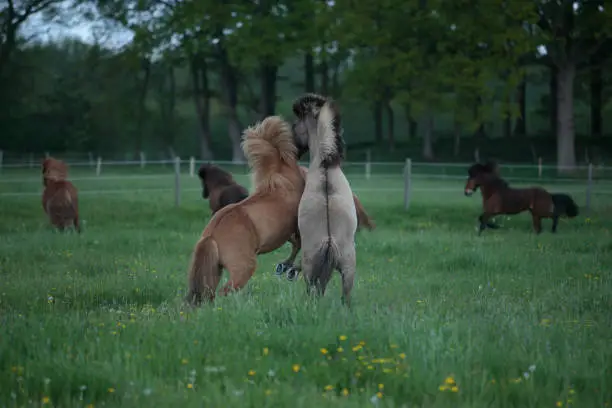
x,y
564,205
60,202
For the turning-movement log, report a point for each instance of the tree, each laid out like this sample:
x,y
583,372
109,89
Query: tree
x,y
573,31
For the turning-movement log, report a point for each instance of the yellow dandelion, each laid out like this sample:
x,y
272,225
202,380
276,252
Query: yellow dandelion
x,y
324,351
370,367
559,404
379,395
393,346
455,388
345,392
190,386
357,348
572,392
339,349
387,370
381,386
342,337
45,400
329,387
111,390
295,368
266,351
184,361
449,380
252,372
493,381
402,356
268,392
90,406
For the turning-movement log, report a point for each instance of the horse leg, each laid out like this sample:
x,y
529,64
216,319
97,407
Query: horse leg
x,y
307,270
347,270
240,272
484,218
287,264
537,223
491,224
555,223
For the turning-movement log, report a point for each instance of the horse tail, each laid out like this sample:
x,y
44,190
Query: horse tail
x,y
362,216
564,204
203,271
324,261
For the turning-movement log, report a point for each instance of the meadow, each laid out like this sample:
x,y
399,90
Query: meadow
x,y
441,317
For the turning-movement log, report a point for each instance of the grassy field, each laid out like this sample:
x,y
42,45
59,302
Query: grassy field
x,y
440,318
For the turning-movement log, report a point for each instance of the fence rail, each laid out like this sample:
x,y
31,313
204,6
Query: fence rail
x,y
400,176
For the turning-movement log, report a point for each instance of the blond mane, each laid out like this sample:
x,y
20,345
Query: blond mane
x,y
268,146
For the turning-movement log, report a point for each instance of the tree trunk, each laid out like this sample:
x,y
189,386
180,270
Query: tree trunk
x,y
229,95
309,75
142,106
428,153
171,106
566,154
456,137
378,121
267,101
553,90
520,127
596,98
391,125
201,98
324,70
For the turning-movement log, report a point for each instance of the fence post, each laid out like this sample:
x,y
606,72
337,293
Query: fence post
x,y
589,187
191,166
407,181
99,166
539,167
143,160
368,164
177,181
91,160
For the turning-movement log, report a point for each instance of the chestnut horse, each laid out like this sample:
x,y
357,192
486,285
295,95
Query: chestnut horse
x,y
219,187
499,198
259,224
60,197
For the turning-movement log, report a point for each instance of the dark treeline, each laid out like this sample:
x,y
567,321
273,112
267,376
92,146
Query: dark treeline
x,y
445,77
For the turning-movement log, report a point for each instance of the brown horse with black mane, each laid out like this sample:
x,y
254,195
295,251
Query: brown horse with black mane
x,y
499,198
219,187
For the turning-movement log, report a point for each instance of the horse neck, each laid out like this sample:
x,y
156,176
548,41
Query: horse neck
x,y
314,146
489,188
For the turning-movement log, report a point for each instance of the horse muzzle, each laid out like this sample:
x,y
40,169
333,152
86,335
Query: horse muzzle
x,y
468,192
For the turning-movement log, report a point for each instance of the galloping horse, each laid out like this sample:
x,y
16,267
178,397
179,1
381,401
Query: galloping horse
x,y
499,198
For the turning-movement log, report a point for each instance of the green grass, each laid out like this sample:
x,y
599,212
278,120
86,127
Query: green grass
x,y
517,320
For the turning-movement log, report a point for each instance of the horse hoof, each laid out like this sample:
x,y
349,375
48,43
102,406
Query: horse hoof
x,y
280,269
292,274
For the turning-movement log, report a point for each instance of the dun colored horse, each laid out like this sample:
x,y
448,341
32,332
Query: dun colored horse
x,y
499,198
219,187
60,197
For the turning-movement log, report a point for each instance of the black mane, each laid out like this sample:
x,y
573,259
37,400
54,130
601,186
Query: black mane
x,y
312,103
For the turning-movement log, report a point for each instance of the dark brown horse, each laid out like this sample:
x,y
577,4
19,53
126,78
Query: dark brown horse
x,y
219,187
499,198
